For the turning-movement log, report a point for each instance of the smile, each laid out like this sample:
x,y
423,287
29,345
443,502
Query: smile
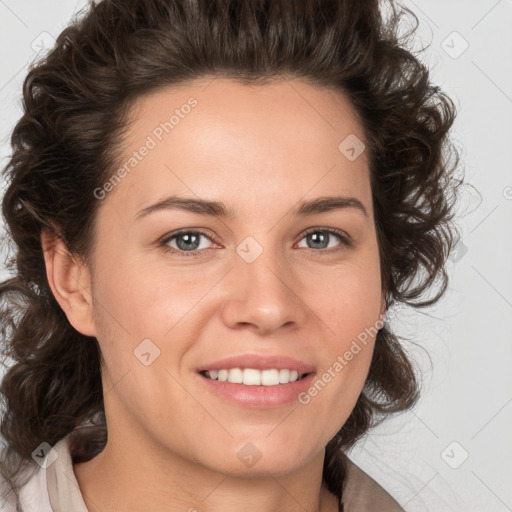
x,y
255,377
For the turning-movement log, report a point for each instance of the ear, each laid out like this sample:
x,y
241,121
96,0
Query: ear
x,y
70,282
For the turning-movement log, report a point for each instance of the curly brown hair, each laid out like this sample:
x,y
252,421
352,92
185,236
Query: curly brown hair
x,y
76,101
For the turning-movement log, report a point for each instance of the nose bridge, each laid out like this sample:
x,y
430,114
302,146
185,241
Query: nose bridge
x,y
265,273
261,288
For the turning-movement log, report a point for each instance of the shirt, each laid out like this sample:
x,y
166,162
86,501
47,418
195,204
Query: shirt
x,y
55,488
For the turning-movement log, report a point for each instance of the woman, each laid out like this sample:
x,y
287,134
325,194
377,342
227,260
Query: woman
x,y
213,206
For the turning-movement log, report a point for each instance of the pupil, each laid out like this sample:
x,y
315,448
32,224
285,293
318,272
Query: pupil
x,y
315,236
188,245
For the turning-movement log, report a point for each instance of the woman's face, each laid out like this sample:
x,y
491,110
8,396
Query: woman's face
x,y
270,279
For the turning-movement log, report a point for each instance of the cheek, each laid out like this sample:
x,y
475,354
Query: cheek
x,y
142,300
350,299
350,311
136,302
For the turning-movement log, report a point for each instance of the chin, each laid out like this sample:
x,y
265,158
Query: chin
x,y
253,459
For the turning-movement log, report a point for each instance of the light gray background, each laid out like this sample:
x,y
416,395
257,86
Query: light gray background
x,y
466,407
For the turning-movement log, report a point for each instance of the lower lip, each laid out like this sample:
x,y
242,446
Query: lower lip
x,y
259,396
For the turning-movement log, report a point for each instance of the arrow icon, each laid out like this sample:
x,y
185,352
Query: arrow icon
x,y
146,352
454,455
249,253
351,147
249,455
454,45
45,455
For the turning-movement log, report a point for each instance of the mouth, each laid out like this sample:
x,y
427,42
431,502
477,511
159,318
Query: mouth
x,y
255,377
263,381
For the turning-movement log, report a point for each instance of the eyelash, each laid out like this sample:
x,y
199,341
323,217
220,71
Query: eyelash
x,y
344,238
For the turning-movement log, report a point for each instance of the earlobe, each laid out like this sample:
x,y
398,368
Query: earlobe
x,y
70,282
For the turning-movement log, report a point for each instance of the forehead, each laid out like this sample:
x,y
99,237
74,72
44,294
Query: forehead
x,y
218,137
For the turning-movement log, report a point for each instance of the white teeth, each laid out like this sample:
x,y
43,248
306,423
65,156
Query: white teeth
x,y
284,376
253,377
235,376
270,377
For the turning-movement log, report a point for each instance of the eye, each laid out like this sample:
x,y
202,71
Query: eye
x,y
185,242
188,243
319,238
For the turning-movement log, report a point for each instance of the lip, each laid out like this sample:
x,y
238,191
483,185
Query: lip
x,y
259,362
258,396
262,397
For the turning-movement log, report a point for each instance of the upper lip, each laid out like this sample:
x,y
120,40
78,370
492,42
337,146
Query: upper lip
x,y
259,362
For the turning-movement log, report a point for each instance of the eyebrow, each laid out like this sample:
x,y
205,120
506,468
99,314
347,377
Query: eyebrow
x,y
219,209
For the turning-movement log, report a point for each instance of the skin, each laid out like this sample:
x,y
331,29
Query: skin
x,y
261,150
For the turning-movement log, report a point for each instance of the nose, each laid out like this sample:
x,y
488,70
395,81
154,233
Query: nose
x,y
263,294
